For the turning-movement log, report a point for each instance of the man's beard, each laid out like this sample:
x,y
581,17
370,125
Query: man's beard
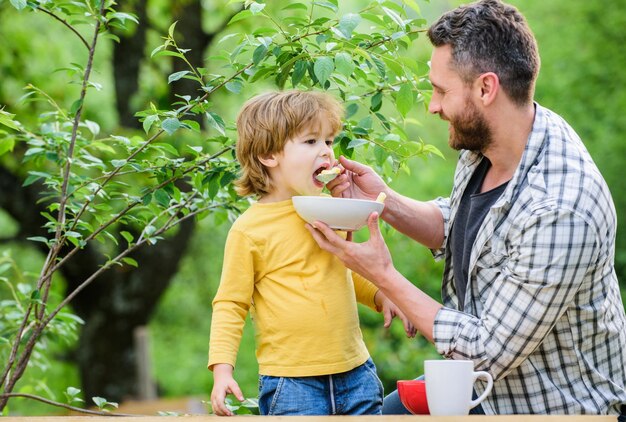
x,y
469,129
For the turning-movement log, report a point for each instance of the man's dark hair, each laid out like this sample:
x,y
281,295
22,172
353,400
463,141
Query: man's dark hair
x,y
490,36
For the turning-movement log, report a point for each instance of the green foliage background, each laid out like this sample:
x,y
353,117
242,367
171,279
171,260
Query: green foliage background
x,y
582,78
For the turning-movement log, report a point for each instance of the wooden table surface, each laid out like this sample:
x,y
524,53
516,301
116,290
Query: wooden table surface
x,y
389,418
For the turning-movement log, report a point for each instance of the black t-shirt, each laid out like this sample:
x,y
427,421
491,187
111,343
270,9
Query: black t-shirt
x,y
473,209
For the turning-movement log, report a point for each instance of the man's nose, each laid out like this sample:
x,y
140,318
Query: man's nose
x,y
434,107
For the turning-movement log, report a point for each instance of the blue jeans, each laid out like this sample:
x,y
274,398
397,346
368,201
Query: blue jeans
x,y
356,392
393,406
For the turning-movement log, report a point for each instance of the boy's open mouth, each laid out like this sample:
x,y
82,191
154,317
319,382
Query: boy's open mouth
x,y
317,182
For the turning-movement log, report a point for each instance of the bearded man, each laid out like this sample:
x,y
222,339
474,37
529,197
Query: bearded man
x,y
529,287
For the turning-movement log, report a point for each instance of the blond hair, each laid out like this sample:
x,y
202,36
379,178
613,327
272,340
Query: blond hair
x,y
268,121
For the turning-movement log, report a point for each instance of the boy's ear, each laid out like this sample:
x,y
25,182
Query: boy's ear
x,y
268,160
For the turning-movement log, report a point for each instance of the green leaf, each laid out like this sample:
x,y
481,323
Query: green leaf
x,y
244,14
122,17
365,123
256,8
170,125
214,185
93,127
323,68
149,121
130,261
413,5
377,101
19,4
394,66
263,73
102,402
6,119
216,122
372,17
292,6
6,145
394,16
76,105
35,295
162,197
191,124
351,110
404,99
263,31
167,148
348,23
128,236
38,239
327,5
380,66
176,76
431,149
234,86
259,54
357,142
170,30
72,391
227,178
32,178
344,63
299,70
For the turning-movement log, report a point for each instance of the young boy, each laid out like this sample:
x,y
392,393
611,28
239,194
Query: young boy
x,y
311,354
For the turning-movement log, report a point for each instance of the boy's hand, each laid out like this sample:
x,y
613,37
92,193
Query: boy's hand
x,y
223,384
390,310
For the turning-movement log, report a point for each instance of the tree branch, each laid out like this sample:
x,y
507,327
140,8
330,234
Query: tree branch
x,y
63,405
64,22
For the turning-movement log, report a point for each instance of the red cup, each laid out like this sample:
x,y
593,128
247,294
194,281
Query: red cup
x,y
413,396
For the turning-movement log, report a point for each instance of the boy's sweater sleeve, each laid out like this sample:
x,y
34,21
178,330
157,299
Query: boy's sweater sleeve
x,y
233,299
364,290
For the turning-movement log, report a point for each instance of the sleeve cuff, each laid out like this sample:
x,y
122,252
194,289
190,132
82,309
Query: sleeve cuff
x,y
447,326
221,358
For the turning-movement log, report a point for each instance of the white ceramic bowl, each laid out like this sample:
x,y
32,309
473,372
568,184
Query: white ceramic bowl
x,y
339,213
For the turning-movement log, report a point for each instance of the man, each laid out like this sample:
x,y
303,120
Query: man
x,y
528,234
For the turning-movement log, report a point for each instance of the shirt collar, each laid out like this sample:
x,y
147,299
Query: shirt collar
x,y
532,151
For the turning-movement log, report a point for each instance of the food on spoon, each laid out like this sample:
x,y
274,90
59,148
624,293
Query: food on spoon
x,y
326,176
381,197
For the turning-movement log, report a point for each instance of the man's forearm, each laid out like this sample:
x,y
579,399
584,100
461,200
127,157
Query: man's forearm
x,y
418,307
421,221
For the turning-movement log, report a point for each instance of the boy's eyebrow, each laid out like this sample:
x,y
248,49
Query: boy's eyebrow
x,y
310,132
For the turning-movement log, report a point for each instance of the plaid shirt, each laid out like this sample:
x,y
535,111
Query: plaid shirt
x,y
543,312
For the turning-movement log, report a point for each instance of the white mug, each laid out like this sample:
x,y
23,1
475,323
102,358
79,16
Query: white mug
x,y
449,386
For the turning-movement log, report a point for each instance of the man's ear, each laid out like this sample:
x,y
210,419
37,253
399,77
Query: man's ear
x,y
268,160
489,85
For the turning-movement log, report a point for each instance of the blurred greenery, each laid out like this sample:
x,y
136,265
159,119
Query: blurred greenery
x,y
582,78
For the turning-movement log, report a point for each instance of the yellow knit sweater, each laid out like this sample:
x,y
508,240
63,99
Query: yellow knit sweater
x,y
301,298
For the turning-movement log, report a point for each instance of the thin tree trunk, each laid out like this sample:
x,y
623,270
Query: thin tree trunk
x,y
127,57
